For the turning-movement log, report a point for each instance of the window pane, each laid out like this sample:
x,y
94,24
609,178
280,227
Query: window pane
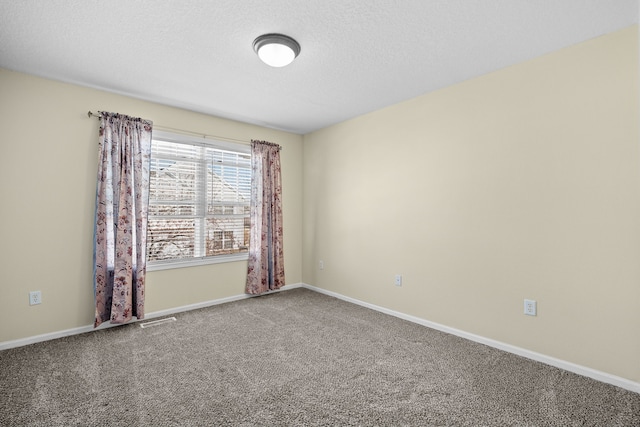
x,y
172,180
226,235
228,209
229,184
170,239
171,210
175,150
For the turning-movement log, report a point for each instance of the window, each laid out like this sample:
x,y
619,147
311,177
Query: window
x,y
199,201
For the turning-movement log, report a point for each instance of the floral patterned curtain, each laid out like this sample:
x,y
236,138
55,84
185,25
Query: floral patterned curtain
x,y
266,259
122,198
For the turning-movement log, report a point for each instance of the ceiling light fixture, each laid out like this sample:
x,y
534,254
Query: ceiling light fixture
x,y
276,50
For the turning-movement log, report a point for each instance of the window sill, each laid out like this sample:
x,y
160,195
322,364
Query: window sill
x,y
194,262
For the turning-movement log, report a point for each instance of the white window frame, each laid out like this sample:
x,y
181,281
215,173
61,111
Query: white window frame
x,y
199,260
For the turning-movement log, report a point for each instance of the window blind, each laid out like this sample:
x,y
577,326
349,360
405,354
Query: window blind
x,y
199,201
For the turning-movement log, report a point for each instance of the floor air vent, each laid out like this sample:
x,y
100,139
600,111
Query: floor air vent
x,y
157,322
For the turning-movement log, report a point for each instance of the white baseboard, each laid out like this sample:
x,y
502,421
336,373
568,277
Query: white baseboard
x,y
89,328
558,363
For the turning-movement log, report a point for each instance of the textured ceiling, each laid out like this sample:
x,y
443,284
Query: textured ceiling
x,y
357,55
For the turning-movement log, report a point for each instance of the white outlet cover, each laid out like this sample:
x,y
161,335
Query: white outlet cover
x,y
35,297
530,307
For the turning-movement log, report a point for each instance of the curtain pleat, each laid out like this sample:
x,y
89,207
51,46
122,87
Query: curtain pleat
x,y
266,255
120,233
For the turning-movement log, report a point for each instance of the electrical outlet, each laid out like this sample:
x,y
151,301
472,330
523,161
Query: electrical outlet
x,y
530,307
321,265
398,280
35,297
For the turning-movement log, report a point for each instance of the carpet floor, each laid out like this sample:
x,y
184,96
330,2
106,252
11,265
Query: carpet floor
x,y
294,358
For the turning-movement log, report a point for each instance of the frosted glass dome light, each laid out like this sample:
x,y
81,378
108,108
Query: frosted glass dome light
x,y
276,50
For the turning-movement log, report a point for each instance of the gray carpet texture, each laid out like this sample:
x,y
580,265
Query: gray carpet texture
x,y
293,358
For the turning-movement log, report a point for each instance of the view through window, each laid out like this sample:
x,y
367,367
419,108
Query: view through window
x,y
199,199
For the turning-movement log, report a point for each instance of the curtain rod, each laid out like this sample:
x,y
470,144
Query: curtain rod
x,y
91,114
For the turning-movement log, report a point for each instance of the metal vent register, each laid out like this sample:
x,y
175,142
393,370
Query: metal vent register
x,y
157,322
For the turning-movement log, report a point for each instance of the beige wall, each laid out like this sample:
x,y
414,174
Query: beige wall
x,y
48,166
523,183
